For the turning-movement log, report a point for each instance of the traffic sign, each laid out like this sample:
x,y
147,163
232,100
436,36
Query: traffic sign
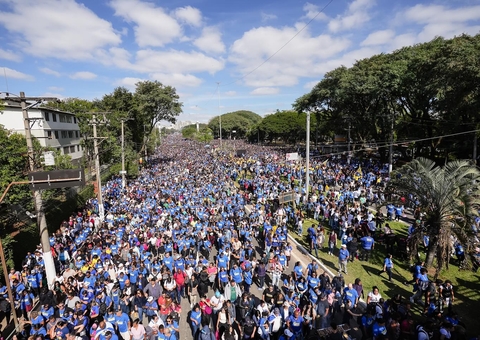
x,y
286,197
56,179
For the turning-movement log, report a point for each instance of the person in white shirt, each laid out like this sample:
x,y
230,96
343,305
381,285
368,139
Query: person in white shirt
x,y
374,296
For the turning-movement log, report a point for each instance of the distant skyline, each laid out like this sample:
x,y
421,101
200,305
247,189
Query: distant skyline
x,y
265,54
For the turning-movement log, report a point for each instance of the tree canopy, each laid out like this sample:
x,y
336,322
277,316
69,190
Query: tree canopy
x,y
151,103
239,121
424,91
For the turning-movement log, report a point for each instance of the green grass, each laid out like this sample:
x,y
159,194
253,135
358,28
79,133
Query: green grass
x,y
466,283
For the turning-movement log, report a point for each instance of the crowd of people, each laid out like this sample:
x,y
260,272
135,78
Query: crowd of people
x,y
207,227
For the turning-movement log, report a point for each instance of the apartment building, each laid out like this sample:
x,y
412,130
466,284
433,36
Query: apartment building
x,y
52,128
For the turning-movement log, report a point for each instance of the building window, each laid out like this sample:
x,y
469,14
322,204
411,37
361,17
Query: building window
x,y
72,149
47,116
54,117
70,134
65,119
66,150
75,120
78,148
76,134
64,134
56,134
49,134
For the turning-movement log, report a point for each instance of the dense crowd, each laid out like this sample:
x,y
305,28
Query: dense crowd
x,y
208,227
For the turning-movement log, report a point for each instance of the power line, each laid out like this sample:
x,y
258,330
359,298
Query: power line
x,y
410,141
283,46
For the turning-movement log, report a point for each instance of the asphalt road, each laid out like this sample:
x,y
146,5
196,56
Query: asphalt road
x,y
185,332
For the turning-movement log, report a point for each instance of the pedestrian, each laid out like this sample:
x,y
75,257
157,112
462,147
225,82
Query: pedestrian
x,y
387,267
332,242
343,256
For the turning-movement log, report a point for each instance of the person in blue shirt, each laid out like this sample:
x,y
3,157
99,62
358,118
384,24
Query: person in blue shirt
x,y
195,319
367,246
379,330
122,321
351,294
236,274
390,211
33,282
387,266
343,256
295,323
398,212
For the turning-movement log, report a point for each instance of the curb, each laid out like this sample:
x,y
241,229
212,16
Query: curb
x,y
307,253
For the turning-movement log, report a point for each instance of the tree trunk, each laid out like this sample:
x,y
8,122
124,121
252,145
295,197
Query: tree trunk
x,y
432,251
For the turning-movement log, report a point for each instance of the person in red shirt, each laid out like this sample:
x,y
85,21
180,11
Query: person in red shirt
x,y
180,276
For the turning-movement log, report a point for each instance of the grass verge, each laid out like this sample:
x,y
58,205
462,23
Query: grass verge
x,y
466,283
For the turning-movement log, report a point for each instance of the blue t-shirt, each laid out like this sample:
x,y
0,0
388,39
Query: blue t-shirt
x,y
296,323
367,242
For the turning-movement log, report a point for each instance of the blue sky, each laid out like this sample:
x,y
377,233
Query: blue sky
x,y
68,48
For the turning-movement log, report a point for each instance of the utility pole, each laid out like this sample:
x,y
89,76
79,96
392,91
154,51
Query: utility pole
x,y
37,194
123,120
307,179
348,136
145,141
94,122
475,148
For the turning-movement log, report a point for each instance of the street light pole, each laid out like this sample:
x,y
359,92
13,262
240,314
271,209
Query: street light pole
x,y
123,120
219,114
307,179
123,156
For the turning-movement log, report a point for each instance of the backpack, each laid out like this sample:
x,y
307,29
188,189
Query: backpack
x,y
102,307
206,336
423,285
419,329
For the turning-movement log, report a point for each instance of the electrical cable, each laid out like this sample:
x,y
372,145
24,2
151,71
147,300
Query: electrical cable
x,y
282,47
405,141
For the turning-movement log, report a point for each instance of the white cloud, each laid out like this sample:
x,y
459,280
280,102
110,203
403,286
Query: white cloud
x,y
177,79
128,82
230,93
56,88
437,20
379,38
10,73
84,75
190,15
313,12
399,41
267,17
53,95
310,84
153,27
61,29
150,61
264,91
286,67
356,15
426,14
48,71
9,55
210,41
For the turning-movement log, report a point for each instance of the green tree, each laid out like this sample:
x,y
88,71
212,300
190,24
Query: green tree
x,y
153,102
449,197
238,121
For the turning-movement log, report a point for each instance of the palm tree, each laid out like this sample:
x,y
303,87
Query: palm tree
x,y
449,197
